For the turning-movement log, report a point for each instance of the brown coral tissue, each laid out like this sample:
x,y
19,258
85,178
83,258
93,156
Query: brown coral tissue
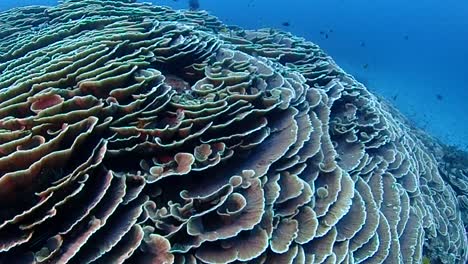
x,y
134,133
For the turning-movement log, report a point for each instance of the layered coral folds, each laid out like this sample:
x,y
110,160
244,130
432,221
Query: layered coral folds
x,y
132,133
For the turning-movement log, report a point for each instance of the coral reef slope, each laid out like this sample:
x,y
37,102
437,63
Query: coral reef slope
x,y
134,133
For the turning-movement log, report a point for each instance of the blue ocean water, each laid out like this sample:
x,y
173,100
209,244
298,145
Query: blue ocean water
x,y
414,53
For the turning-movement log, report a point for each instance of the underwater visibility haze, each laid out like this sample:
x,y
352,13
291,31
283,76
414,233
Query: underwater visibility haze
x,y
250,131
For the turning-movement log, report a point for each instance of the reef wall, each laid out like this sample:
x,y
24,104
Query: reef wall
x,y
133,133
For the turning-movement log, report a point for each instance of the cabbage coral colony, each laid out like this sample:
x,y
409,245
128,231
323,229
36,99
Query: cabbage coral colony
x,y
133,133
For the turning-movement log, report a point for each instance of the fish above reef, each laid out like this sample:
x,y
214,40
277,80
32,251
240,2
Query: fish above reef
x,y
325,33
194,5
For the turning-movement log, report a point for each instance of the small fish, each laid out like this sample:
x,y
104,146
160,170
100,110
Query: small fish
x,y
362,44
439,97
286,24
406,37
395,97
365,66
194,5
331,30
322,32
326,35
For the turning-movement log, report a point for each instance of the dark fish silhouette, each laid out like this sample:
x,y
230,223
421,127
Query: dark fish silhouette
x,y
363,44
286,24
439,97
406,37
194,5
325,33
395,97
365,66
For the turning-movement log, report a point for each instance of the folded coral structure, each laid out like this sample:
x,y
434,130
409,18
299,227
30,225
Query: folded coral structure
x,y
134,133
